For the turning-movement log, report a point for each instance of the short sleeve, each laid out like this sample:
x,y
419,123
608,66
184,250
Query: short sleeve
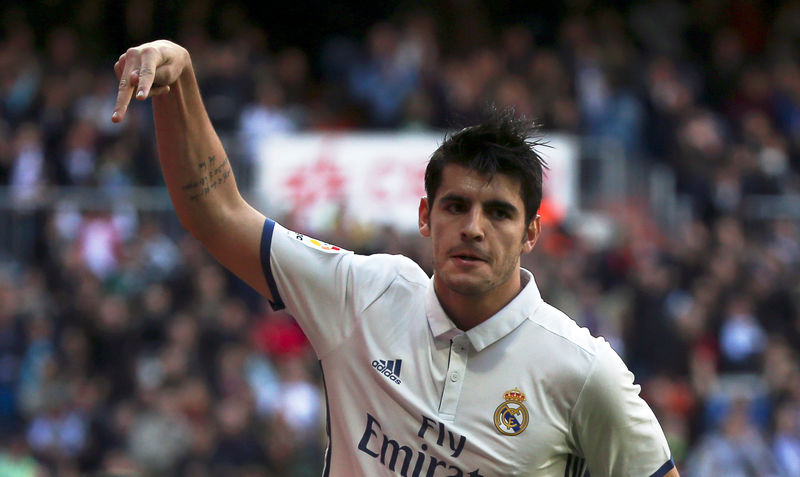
x,y
323,286
614,428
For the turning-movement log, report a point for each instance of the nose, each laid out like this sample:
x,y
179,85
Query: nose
x,y
472,226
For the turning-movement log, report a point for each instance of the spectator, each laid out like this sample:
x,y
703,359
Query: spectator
x,y
736,449
786,444
17,461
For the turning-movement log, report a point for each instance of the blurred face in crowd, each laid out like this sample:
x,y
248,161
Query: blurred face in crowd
x,y
478,230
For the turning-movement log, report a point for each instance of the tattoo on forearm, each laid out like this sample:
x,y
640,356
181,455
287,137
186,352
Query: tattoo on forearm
x,y
216,174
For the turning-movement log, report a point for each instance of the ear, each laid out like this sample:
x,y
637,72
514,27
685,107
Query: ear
x,y
424,217
532,234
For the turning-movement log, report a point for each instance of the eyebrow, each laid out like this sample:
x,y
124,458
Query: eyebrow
x,y
490,204
453,198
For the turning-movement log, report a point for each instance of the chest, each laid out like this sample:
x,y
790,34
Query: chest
x,y
451,409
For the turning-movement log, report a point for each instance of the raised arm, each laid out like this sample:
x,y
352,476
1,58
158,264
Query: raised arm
x,y
195,167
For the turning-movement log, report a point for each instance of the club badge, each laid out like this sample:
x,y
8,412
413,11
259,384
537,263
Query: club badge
x,y
511,417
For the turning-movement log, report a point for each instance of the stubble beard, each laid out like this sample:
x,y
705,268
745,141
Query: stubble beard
x,y
473,285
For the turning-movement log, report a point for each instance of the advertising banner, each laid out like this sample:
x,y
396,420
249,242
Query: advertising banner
x,y
374,178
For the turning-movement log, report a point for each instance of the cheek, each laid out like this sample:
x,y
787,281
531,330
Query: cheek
x,y
442,232
438,246
513,246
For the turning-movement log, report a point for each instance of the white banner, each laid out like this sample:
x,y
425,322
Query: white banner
x,y
372,178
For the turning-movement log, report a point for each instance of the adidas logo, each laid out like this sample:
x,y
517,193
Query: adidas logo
x,y
390,369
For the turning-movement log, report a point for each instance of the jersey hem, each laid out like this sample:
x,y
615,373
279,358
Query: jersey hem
x,y
266,266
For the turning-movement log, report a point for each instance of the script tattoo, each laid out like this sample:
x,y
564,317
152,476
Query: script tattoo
x,y
213,174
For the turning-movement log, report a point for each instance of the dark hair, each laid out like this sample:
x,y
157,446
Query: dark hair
x,y
502,144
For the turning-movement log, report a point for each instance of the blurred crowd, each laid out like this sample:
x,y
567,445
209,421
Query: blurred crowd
x,y
124,348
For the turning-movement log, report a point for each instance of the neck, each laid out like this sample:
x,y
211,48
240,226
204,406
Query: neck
x,y
469,311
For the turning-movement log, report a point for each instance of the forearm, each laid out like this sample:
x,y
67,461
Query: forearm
x,y
195,167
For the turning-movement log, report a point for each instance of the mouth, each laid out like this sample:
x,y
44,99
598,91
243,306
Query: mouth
x,y
467,257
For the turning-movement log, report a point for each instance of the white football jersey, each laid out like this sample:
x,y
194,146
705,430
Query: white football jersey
x,y
526,393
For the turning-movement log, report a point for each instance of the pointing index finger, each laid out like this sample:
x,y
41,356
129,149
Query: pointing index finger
x,y
146,72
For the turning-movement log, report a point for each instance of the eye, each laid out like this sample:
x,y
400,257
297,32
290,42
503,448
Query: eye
x,y
499,214
455,207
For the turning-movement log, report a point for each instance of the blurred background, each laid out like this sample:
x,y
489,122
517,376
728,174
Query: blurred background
x,y
671,226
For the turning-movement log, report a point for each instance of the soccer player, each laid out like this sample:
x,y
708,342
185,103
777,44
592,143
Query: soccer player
x,y
467,373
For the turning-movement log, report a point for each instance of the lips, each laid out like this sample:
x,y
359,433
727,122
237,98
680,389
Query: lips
x,y
468,256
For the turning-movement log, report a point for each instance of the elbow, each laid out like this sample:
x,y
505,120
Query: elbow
x,y
201,230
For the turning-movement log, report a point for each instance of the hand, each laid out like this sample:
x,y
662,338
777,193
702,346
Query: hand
x,y
149,69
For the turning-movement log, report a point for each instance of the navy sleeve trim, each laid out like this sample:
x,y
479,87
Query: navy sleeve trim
x,y
266,245
327,469
662,471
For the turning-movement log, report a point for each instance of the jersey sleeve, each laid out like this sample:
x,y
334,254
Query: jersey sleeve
x,y
614,428
323,286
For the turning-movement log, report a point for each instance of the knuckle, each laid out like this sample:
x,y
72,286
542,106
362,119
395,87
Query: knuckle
x,y
146,71
123,83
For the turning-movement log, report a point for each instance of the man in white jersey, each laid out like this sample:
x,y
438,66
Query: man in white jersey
x,y
467,373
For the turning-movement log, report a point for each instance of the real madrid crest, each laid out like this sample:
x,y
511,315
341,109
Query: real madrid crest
x,y
511,417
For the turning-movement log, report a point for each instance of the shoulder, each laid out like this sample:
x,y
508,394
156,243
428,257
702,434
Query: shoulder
x,y
389,268
575,355
382,276
559,327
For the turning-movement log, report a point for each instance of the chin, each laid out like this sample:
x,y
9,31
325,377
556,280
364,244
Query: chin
x,y
469,286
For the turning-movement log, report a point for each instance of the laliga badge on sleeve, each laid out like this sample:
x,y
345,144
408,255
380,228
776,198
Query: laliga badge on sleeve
x,y
511,417
314,243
